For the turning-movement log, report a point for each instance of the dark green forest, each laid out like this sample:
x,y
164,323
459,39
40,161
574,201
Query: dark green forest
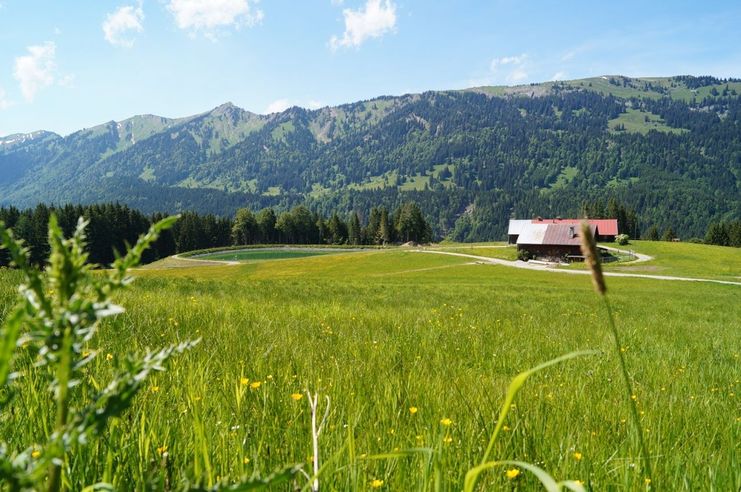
x,y
667,149
112,227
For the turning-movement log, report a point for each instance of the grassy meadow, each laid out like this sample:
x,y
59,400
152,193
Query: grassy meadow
x,y
262,254
415,352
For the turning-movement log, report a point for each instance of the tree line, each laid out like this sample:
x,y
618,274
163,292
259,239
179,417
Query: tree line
x,y
112,226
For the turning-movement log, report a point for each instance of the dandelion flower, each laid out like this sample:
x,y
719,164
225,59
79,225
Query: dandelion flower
x,y
296,396
376,483
255,385
446,422
413,410
35,454
512,473
162,449
577,455
154,389
245,460
244,381
647,481
108,357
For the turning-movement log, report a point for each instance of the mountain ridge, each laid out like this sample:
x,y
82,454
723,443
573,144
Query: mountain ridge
x,y
517,149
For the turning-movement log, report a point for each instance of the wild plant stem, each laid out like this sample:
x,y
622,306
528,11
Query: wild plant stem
x,y
63,375
629,390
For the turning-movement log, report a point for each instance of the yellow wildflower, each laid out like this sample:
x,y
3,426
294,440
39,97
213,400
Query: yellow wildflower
x,y
376,483
154,389
577,455
162,449
413,410
296,396
255,385
447,439
512,473
35,453
506,428
446,422
244,381
108,357
245,460
647,481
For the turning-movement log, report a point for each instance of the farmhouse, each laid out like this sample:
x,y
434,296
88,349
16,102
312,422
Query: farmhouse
x,y
515,229
607,228
553,241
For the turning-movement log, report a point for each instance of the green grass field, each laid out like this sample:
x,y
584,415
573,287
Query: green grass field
x,y
637,121
683,260
263,254
379,332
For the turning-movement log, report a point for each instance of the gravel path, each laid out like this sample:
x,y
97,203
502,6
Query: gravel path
x,y
549,268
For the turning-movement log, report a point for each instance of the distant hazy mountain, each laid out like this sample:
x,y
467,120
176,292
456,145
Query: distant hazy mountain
x,y
668,147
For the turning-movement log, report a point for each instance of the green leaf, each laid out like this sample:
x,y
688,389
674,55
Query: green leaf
x,y
276,478
516,385
545,479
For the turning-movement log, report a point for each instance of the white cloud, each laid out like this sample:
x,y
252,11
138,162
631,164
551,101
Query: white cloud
x,y
122,23
517,75
373,21
515,67
35,70
4,103
278,106
508,60
560,75
207,15
67,81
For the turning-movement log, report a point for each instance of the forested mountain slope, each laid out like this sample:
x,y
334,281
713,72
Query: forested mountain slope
x,y
670,148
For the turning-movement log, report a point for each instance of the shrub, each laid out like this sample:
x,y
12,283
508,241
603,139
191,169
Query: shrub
x,y
622,239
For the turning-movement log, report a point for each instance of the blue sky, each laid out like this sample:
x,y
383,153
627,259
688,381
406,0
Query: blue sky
x,y
67,64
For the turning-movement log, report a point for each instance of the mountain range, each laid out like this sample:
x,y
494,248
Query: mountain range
x,y
668,148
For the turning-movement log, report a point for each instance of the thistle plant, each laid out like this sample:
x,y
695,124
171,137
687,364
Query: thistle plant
x,y
592,259
58,314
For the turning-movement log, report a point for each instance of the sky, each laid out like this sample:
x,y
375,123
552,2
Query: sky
x,y
71,64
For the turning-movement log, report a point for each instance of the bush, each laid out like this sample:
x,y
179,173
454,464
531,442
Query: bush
x,y
524,255
622,239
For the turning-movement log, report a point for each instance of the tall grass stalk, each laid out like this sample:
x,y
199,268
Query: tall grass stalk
x,y
592,258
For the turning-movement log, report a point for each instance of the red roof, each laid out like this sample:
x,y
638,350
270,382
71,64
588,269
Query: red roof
x,y
565,234
606,227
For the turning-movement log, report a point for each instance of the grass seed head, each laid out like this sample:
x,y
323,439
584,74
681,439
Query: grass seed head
x,y
591,257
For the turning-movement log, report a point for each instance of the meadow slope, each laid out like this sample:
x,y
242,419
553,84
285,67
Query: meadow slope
x,y
380,332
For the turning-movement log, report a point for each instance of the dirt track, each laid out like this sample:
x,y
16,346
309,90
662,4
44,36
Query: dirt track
x,y
546,268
